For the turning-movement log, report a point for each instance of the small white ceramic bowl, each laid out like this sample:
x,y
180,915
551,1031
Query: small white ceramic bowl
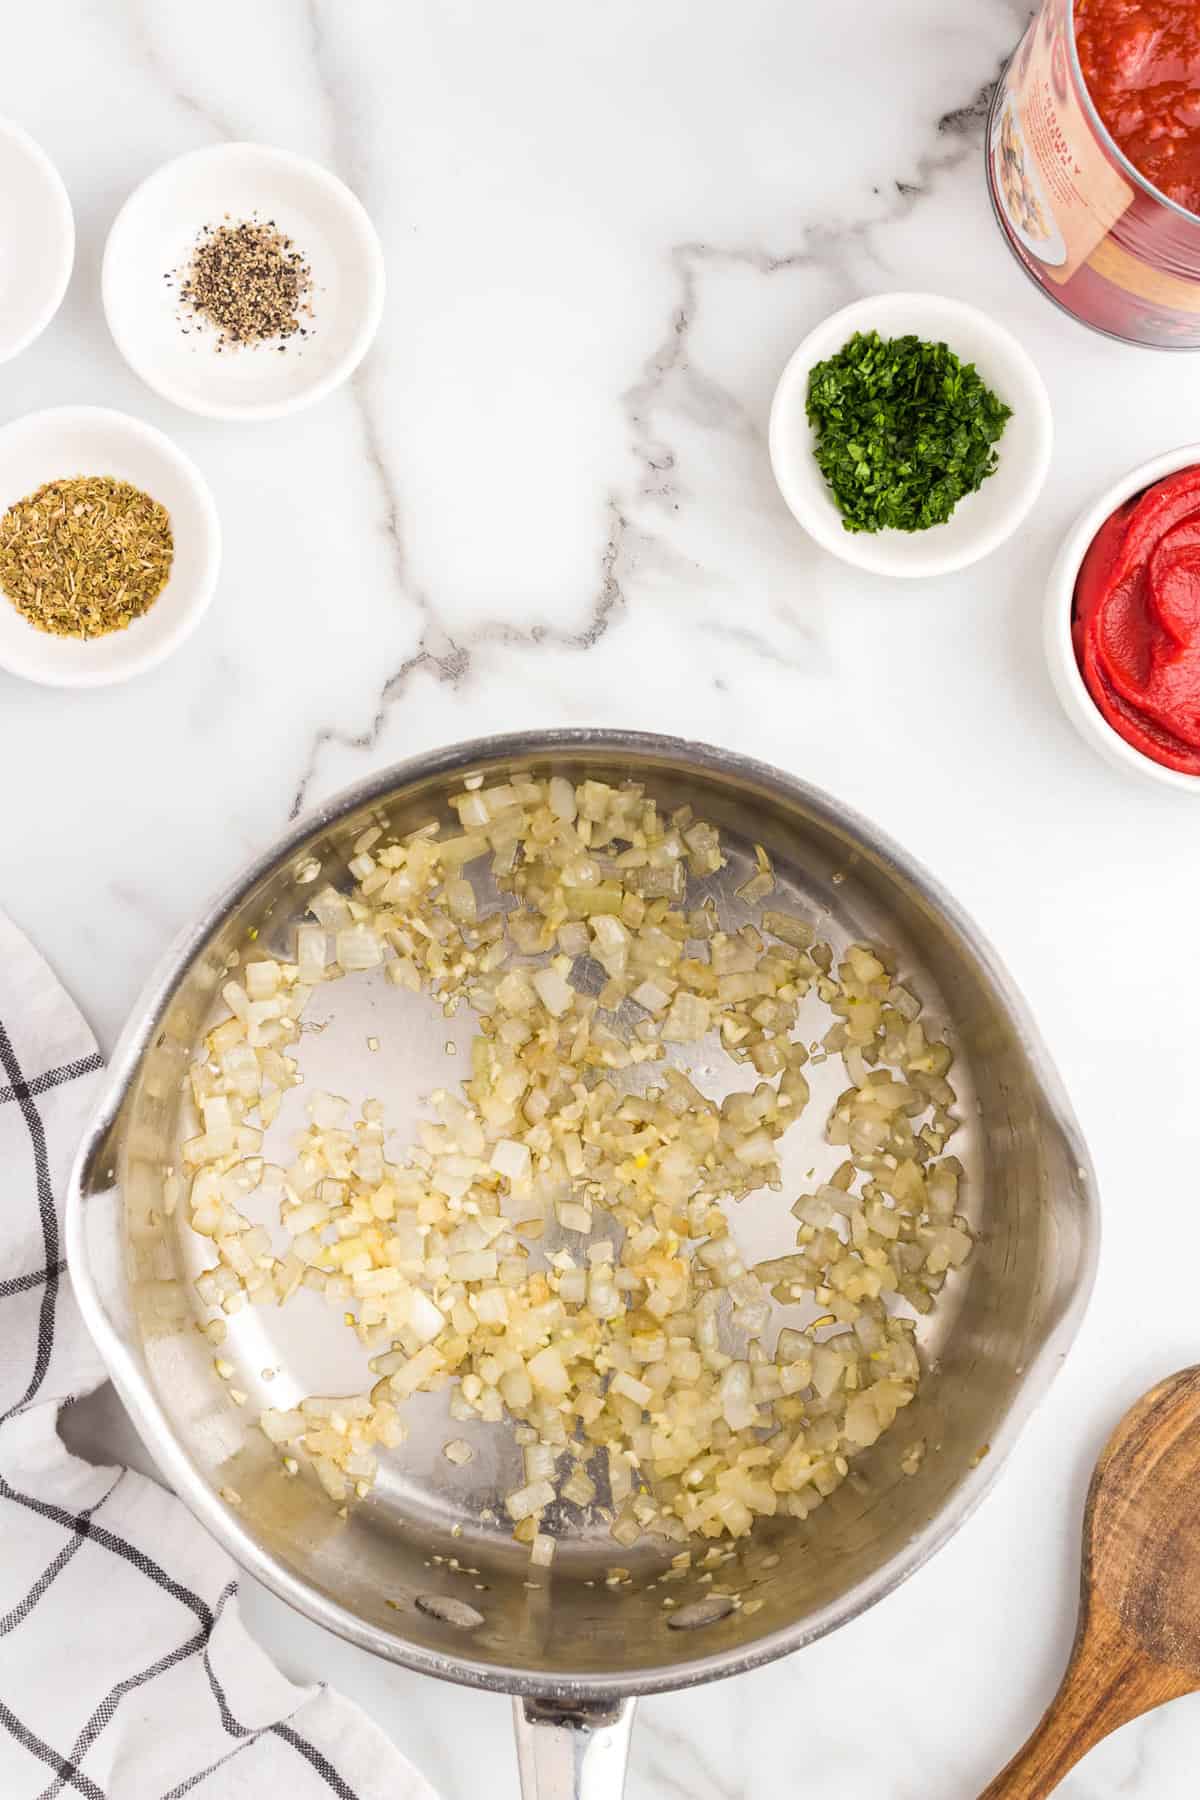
x,y
153,236
1065,673
981,521
90,440
37,240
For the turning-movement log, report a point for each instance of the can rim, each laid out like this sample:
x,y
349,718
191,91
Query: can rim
x,y
1107,141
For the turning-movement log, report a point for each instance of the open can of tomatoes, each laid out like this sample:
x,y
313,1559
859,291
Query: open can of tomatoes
x,y
1094,164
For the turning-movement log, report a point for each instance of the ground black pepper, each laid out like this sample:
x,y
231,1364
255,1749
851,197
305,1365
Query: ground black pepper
x,y
248,281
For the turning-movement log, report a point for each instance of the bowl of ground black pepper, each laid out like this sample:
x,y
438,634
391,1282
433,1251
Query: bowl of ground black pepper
x,y
109,547
243,282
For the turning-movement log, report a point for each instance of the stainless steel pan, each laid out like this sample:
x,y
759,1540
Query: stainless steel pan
x,y
413,1574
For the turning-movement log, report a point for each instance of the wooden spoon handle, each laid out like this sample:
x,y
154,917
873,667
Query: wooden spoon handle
x,y
1060,1740
1108,1682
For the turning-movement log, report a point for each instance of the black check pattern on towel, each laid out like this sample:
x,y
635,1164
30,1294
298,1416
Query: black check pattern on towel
x,y
21,1092
125,1673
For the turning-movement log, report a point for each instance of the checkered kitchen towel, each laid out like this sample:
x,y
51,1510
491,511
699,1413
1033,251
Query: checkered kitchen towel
x,y
125,1673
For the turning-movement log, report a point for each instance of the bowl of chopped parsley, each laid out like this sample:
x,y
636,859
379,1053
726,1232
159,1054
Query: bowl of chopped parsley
x,y
910,434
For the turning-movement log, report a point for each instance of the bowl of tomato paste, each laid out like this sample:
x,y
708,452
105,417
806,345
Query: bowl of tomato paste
x,y
1123,621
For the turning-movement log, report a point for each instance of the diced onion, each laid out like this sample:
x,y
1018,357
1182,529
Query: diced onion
x,y
541,1550
651,1355
523,1502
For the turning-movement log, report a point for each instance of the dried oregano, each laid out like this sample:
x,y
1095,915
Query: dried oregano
x,y
85,556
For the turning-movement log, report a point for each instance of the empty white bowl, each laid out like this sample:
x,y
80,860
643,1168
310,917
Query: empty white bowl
x,y
37,240
154,235
981,521
1065,672
90,440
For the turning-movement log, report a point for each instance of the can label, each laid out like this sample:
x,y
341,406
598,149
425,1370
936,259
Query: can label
x,y
1058,188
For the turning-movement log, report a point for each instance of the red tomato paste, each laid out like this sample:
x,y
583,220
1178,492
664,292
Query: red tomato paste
x,y
1141,62
1136,621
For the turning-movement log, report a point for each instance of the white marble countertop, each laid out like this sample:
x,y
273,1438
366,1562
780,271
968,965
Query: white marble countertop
x,y
546,499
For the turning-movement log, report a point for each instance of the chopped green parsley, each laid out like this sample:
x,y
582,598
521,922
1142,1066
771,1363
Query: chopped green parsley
x,y
903,431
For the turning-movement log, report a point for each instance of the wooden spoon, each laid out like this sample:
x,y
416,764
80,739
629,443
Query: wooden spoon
x,y
1138,1640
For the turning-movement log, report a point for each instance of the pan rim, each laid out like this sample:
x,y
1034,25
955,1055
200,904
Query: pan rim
x,y
192,1488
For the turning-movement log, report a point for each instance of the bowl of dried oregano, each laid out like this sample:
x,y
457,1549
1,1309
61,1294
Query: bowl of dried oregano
x,y
109,546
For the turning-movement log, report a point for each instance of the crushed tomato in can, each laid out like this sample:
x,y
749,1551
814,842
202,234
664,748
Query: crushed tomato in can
x,y
1072,167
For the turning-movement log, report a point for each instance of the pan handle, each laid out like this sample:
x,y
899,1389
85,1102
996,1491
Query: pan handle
x,y
572,1751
